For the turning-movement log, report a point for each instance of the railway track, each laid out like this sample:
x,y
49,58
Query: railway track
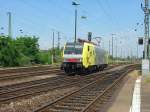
x,y
27,72
13,93
83,99
36,81
25,69
9,74
17,91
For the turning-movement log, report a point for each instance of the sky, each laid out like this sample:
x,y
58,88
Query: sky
x,y
103,18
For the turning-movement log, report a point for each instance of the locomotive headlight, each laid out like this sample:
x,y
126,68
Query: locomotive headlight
x,y
65,60
73,60
80,59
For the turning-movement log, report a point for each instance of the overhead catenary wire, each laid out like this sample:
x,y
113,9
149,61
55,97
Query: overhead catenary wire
x,y
115,18
108,16
34,23
44,11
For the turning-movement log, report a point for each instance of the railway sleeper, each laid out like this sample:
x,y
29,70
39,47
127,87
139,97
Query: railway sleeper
x,y
83,99
77,101
92,93
64,108
55,110
86,96
89,94
76,104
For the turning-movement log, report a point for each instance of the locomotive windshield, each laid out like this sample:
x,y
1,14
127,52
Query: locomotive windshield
x,y
72,48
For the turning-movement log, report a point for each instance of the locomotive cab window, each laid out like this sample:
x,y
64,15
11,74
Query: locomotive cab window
x,y
72,48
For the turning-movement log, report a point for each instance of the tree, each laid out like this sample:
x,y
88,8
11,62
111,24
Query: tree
x,y
45,57
29,47
24,51
9,55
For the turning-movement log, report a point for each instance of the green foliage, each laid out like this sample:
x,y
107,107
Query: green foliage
x,y
57,54
29,47
19,52
9,55
24,51
24,60
147,79
45,57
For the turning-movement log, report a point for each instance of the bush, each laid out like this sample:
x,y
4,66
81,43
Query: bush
x,y
29,47
24,51
19,52
45,57
24,61
9,55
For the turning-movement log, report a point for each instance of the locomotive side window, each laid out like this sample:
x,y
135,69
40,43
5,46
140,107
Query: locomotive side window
x,y
88,48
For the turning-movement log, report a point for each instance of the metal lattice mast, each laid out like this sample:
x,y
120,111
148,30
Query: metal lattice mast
x,y
53,51
146,34
112,45
58,40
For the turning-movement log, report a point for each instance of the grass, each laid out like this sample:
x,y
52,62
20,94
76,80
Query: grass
x,y
147,79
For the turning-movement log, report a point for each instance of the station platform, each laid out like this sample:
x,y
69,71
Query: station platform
x,y
134,95
122,100
145,94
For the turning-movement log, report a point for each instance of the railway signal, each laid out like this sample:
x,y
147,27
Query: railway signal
x,y
140,41
89,36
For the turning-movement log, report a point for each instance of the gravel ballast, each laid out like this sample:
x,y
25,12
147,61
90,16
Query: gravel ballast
x,y
27,105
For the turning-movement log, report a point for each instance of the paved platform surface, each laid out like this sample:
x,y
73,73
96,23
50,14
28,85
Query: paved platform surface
x,y
145,95
122,101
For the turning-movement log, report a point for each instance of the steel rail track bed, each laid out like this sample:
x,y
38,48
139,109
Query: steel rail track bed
x,y
28,74
7,74
80,100
13,92
25,69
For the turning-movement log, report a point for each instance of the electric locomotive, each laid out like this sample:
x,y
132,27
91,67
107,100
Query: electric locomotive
x,y
83,56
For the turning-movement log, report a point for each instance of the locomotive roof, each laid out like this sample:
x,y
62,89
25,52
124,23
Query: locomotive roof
x,y
72,43
80,43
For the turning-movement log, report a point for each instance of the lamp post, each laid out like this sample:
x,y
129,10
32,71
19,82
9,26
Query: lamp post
x,y
21,31
9,24
76,14
83,17
2,28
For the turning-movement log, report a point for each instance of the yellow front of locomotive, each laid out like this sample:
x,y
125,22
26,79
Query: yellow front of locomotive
x,y
88,55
